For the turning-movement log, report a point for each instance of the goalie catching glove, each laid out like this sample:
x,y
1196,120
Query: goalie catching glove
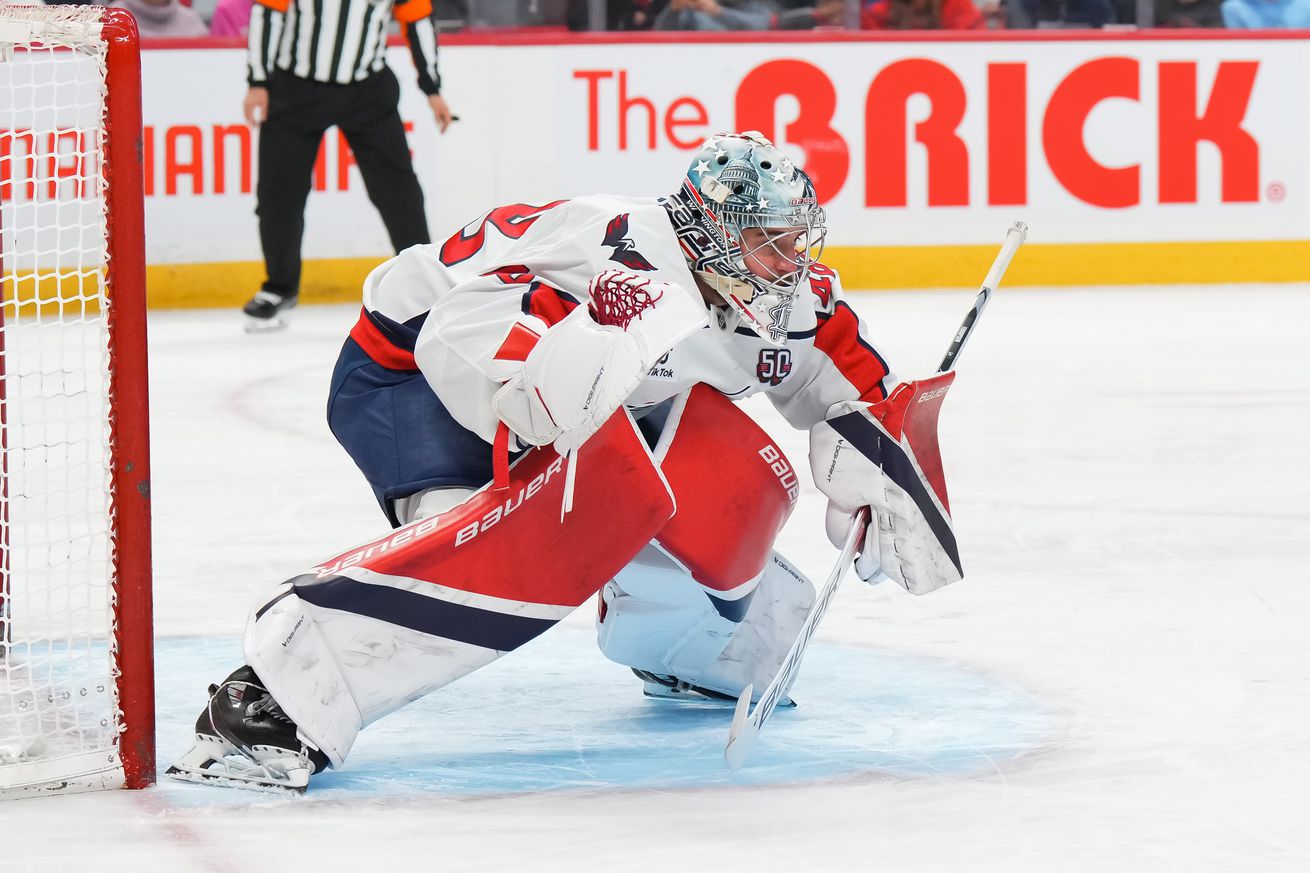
x,y
577,373
886,456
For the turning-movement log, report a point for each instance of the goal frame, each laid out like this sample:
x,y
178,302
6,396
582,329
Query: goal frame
x,y
130,632
129,396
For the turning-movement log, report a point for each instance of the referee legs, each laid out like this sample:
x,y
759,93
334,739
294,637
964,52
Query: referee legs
x,y
288,146
376,135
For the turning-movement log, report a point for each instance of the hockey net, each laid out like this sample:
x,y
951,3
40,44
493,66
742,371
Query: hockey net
x,y
76,673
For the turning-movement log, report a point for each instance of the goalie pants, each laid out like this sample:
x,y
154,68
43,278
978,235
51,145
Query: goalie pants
x,y
402,437
398,432
300,112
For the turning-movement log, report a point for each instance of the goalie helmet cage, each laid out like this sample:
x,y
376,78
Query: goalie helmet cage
x,y
76,661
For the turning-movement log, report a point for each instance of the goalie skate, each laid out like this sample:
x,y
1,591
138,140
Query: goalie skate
x,y
245,740
673,688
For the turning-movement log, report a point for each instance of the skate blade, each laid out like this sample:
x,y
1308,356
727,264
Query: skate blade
x,y
690,695
214,763
228,779
266,325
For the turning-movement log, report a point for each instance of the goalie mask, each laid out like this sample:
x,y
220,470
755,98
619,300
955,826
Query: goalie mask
x,y
750,226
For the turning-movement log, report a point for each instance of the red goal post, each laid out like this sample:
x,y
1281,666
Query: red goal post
x,y
76,641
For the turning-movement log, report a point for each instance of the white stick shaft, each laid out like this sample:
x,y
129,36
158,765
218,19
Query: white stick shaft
x,y
746,728
1014,238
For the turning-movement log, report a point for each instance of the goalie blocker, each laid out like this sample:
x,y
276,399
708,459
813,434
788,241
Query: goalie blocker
x,y
886,456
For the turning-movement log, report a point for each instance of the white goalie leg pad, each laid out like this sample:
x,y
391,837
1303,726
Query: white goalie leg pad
x,y
335,671
288,650
655,617
757,649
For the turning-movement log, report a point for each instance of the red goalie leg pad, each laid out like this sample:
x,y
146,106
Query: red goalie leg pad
x,y
912,411
479,573
735,490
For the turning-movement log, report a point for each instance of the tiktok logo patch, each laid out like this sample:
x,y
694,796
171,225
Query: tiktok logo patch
x,y
661,370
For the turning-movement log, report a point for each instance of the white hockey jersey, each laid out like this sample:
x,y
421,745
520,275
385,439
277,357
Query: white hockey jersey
x,y
446,309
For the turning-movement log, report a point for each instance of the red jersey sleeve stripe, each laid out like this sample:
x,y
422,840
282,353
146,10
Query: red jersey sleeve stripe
x,y
547,303
276,5
517,344
838,337
376,345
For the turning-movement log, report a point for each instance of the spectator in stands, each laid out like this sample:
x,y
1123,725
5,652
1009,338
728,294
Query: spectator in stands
x,y
1188,13
716,15
231,18
1068,13
619,14
637,15
164,18
921,15
628,15
1256,14
824,13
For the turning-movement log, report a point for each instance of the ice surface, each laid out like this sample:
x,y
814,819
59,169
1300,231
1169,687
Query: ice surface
x,y
1121,683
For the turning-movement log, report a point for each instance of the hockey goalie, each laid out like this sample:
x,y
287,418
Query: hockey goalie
x,y
557,380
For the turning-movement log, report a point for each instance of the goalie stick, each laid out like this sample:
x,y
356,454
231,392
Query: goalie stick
x,y
1014,238
746,728
746,724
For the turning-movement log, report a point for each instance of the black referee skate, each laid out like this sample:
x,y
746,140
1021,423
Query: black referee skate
x,y
266,311
245,740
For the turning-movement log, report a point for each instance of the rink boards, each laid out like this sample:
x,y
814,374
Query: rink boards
x,y
1135,158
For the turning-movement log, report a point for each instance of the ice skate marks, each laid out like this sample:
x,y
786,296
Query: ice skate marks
x,y
557,716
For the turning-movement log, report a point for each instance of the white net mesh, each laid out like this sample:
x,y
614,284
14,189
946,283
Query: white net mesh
x,y
59,713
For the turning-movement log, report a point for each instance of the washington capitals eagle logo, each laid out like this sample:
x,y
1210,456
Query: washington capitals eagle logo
x,y
616,237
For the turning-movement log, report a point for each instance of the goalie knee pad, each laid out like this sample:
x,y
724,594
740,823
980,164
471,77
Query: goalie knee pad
x,y
757,649
429,502
654,618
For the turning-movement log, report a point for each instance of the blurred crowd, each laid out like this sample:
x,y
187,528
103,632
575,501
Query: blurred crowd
x,y
229,18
